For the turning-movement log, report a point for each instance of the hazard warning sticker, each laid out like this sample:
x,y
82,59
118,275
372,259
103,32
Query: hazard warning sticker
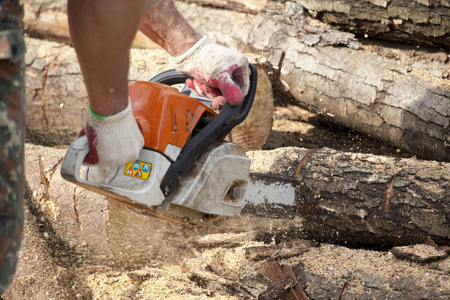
x,y
138,169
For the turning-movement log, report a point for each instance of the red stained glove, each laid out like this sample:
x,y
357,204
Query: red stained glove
x,y
219,73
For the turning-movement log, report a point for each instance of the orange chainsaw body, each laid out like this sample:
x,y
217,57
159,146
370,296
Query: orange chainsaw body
x,y
164,114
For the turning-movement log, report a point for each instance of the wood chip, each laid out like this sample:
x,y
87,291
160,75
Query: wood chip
x,y
297,290
276,289
271,271
299,271
282,250
284,282
420,253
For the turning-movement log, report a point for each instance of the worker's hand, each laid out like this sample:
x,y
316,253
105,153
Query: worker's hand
x,y
113,140
219,73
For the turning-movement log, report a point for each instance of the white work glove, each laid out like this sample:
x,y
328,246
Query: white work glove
x,y
219,73
113,140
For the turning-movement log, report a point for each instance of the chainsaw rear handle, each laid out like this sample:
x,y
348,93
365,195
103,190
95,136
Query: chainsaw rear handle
x,y
218,128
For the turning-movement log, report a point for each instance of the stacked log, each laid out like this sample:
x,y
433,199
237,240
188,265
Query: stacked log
x,y
358,199
396,94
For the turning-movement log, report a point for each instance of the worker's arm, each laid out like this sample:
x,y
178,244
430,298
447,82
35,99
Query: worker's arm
x,y
219,73
102,32
164,25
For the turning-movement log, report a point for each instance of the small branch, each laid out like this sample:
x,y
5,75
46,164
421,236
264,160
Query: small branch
x,y
44,97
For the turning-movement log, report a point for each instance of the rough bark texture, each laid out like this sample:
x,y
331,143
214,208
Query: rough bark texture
x,y
398,96
361,198
418,22
423,22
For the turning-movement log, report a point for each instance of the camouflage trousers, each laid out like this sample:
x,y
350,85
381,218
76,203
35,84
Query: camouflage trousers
x,y
12,131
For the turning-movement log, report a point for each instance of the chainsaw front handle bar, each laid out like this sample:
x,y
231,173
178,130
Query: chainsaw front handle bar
x,y
218,128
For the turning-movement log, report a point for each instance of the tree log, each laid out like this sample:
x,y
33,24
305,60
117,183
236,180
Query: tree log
x,y
418,22
339,197
358,199
398,96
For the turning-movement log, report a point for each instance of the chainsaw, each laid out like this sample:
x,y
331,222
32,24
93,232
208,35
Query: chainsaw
x,y
186,171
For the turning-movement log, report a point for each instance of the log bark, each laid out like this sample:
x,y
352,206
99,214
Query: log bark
x,y
398,96
418,22
358,199
272,271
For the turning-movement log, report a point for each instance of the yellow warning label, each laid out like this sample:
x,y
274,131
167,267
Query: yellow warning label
x,y
138,169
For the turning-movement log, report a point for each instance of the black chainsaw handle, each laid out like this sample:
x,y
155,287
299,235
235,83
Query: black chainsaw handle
x,y
218,128
170,77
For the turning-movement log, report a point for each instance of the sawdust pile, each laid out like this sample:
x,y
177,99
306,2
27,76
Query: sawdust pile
x,y
201,264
